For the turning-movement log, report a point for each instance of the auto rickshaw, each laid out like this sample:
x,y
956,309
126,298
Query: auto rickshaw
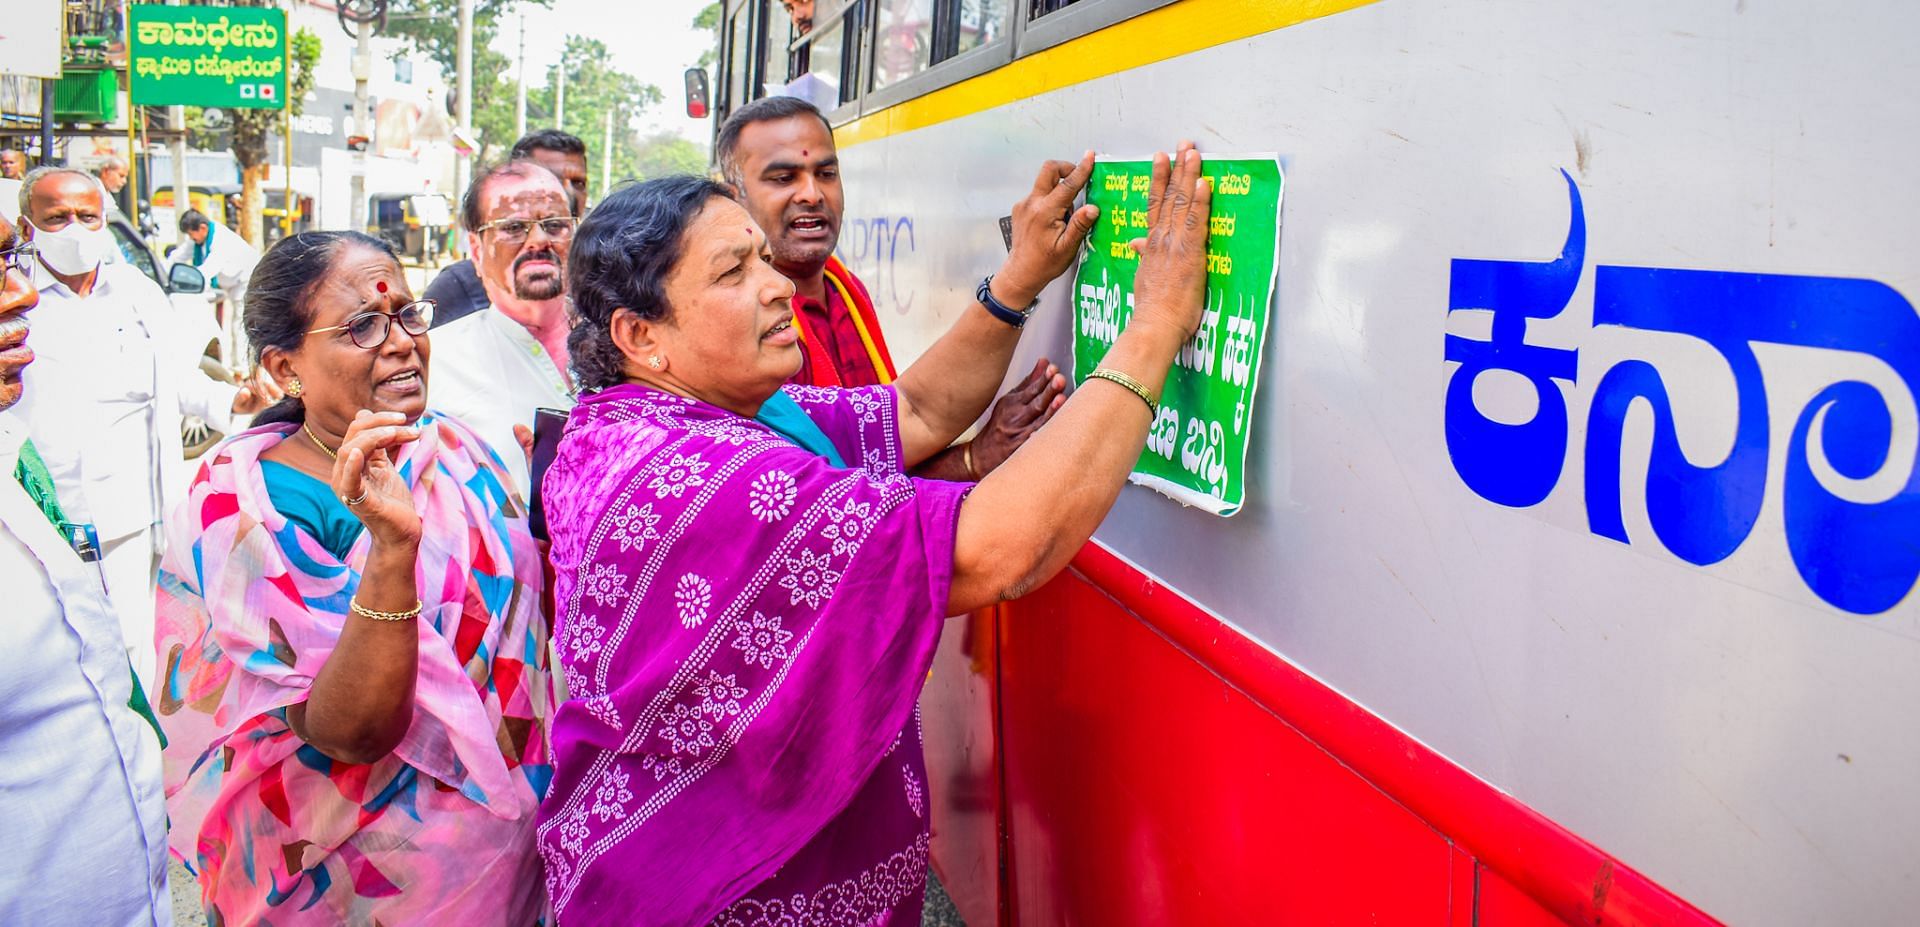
x,y
414,223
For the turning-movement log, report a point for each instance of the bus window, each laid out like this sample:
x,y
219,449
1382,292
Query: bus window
x,y
829,57
739,68
825,64
903,44
1043,7
780,64
979,23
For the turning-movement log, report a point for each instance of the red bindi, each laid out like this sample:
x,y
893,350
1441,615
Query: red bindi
x,y
380,285
804,152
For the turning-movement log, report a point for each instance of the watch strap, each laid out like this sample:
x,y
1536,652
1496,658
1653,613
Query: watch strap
x,y
1014,317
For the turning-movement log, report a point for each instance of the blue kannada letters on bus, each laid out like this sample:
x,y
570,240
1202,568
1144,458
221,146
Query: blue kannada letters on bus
x,y
1862,557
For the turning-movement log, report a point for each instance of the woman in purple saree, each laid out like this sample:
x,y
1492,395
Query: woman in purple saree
x,y
749,587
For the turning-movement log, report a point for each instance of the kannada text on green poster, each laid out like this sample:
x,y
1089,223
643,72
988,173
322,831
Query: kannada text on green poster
x,y
1197,447
226,56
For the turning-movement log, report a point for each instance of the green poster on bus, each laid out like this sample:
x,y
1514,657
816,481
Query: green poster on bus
x,y
1197,448
228,56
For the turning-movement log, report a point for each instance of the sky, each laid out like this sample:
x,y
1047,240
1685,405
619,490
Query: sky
x,y
651,39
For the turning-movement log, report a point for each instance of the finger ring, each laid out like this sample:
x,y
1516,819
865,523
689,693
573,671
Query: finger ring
x,y
363,497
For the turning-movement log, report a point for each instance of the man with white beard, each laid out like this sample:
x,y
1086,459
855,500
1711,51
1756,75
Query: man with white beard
x,y
493,368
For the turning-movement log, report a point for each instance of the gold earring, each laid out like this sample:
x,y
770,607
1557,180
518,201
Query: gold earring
x,y
294,389
654,361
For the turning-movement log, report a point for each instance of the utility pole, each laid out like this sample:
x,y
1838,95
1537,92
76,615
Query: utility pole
x,y
46,122
560,97
362,71
606,159
520,95
286,140
463,164
177,118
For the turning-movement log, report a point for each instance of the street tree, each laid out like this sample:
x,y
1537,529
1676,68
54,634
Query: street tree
x,y
708,20
253,127
595,87
432,27
663,154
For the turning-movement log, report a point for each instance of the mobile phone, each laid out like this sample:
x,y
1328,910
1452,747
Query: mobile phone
x,y
547,425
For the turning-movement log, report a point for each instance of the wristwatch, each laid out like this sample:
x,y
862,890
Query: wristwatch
x,y
1014,317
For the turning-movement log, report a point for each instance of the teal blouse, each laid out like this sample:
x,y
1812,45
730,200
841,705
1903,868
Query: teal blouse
x,y
785,417
311,504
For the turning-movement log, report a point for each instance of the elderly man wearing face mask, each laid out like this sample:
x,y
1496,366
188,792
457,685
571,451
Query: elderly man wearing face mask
x,y
108,391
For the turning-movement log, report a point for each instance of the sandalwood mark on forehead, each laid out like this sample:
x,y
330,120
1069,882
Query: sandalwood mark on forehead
x,y
544,198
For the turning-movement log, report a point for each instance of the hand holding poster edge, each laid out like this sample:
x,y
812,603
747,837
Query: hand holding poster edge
x,y
1196,450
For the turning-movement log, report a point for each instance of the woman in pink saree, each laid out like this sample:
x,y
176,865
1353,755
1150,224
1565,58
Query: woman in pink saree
x,y
351,636
749,587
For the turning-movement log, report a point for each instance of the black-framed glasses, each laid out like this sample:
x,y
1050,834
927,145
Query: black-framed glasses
x,y
512,230
369,329
20,257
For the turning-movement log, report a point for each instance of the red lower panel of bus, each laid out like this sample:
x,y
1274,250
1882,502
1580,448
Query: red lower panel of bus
x,y
1104,752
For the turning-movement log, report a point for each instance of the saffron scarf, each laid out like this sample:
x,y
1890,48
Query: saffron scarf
x,y
745,629
441,830
866,323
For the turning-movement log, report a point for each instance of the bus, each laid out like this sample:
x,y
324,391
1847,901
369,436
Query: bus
x,y
1574,583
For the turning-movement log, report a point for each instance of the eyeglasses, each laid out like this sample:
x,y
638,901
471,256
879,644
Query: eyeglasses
x,y
514,230
20,257
369,330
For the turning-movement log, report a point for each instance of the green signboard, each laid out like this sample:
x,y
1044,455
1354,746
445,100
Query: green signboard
x,y
208,56
1197,448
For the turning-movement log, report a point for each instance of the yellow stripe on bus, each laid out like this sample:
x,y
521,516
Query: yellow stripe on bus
x,y
1168,32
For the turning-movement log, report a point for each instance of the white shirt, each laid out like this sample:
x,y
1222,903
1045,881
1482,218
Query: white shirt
x,y
10,200
229,262
489,372
111,376
80,780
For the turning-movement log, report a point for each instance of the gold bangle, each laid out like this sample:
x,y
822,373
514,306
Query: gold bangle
x,y
378,615
1133,386
966,457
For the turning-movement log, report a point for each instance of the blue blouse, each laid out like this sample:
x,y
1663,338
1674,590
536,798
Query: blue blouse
x,y
311,504
786,418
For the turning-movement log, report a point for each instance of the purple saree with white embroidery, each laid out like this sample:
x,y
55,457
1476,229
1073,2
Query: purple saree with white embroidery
x,y
744,628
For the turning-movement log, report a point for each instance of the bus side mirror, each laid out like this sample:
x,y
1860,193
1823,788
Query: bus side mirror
x,y
696,93
186,278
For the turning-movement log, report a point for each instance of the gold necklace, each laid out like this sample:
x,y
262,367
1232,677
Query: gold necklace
x,y
317,442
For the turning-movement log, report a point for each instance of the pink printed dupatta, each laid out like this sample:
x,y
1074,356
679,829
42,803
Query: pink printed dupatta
x,y
439,831
744,630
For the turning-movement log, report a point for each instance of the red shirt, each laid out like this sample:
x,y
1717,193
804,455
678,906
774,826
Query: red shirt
x,y
832,324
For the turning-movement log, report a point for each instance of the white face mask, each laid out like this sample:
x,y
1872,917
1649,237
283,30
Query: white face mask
x,y
73,250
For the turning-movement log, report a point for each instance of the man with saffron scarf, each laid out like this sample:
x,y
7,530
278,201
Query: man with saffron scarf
x,y
749,586
778,153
